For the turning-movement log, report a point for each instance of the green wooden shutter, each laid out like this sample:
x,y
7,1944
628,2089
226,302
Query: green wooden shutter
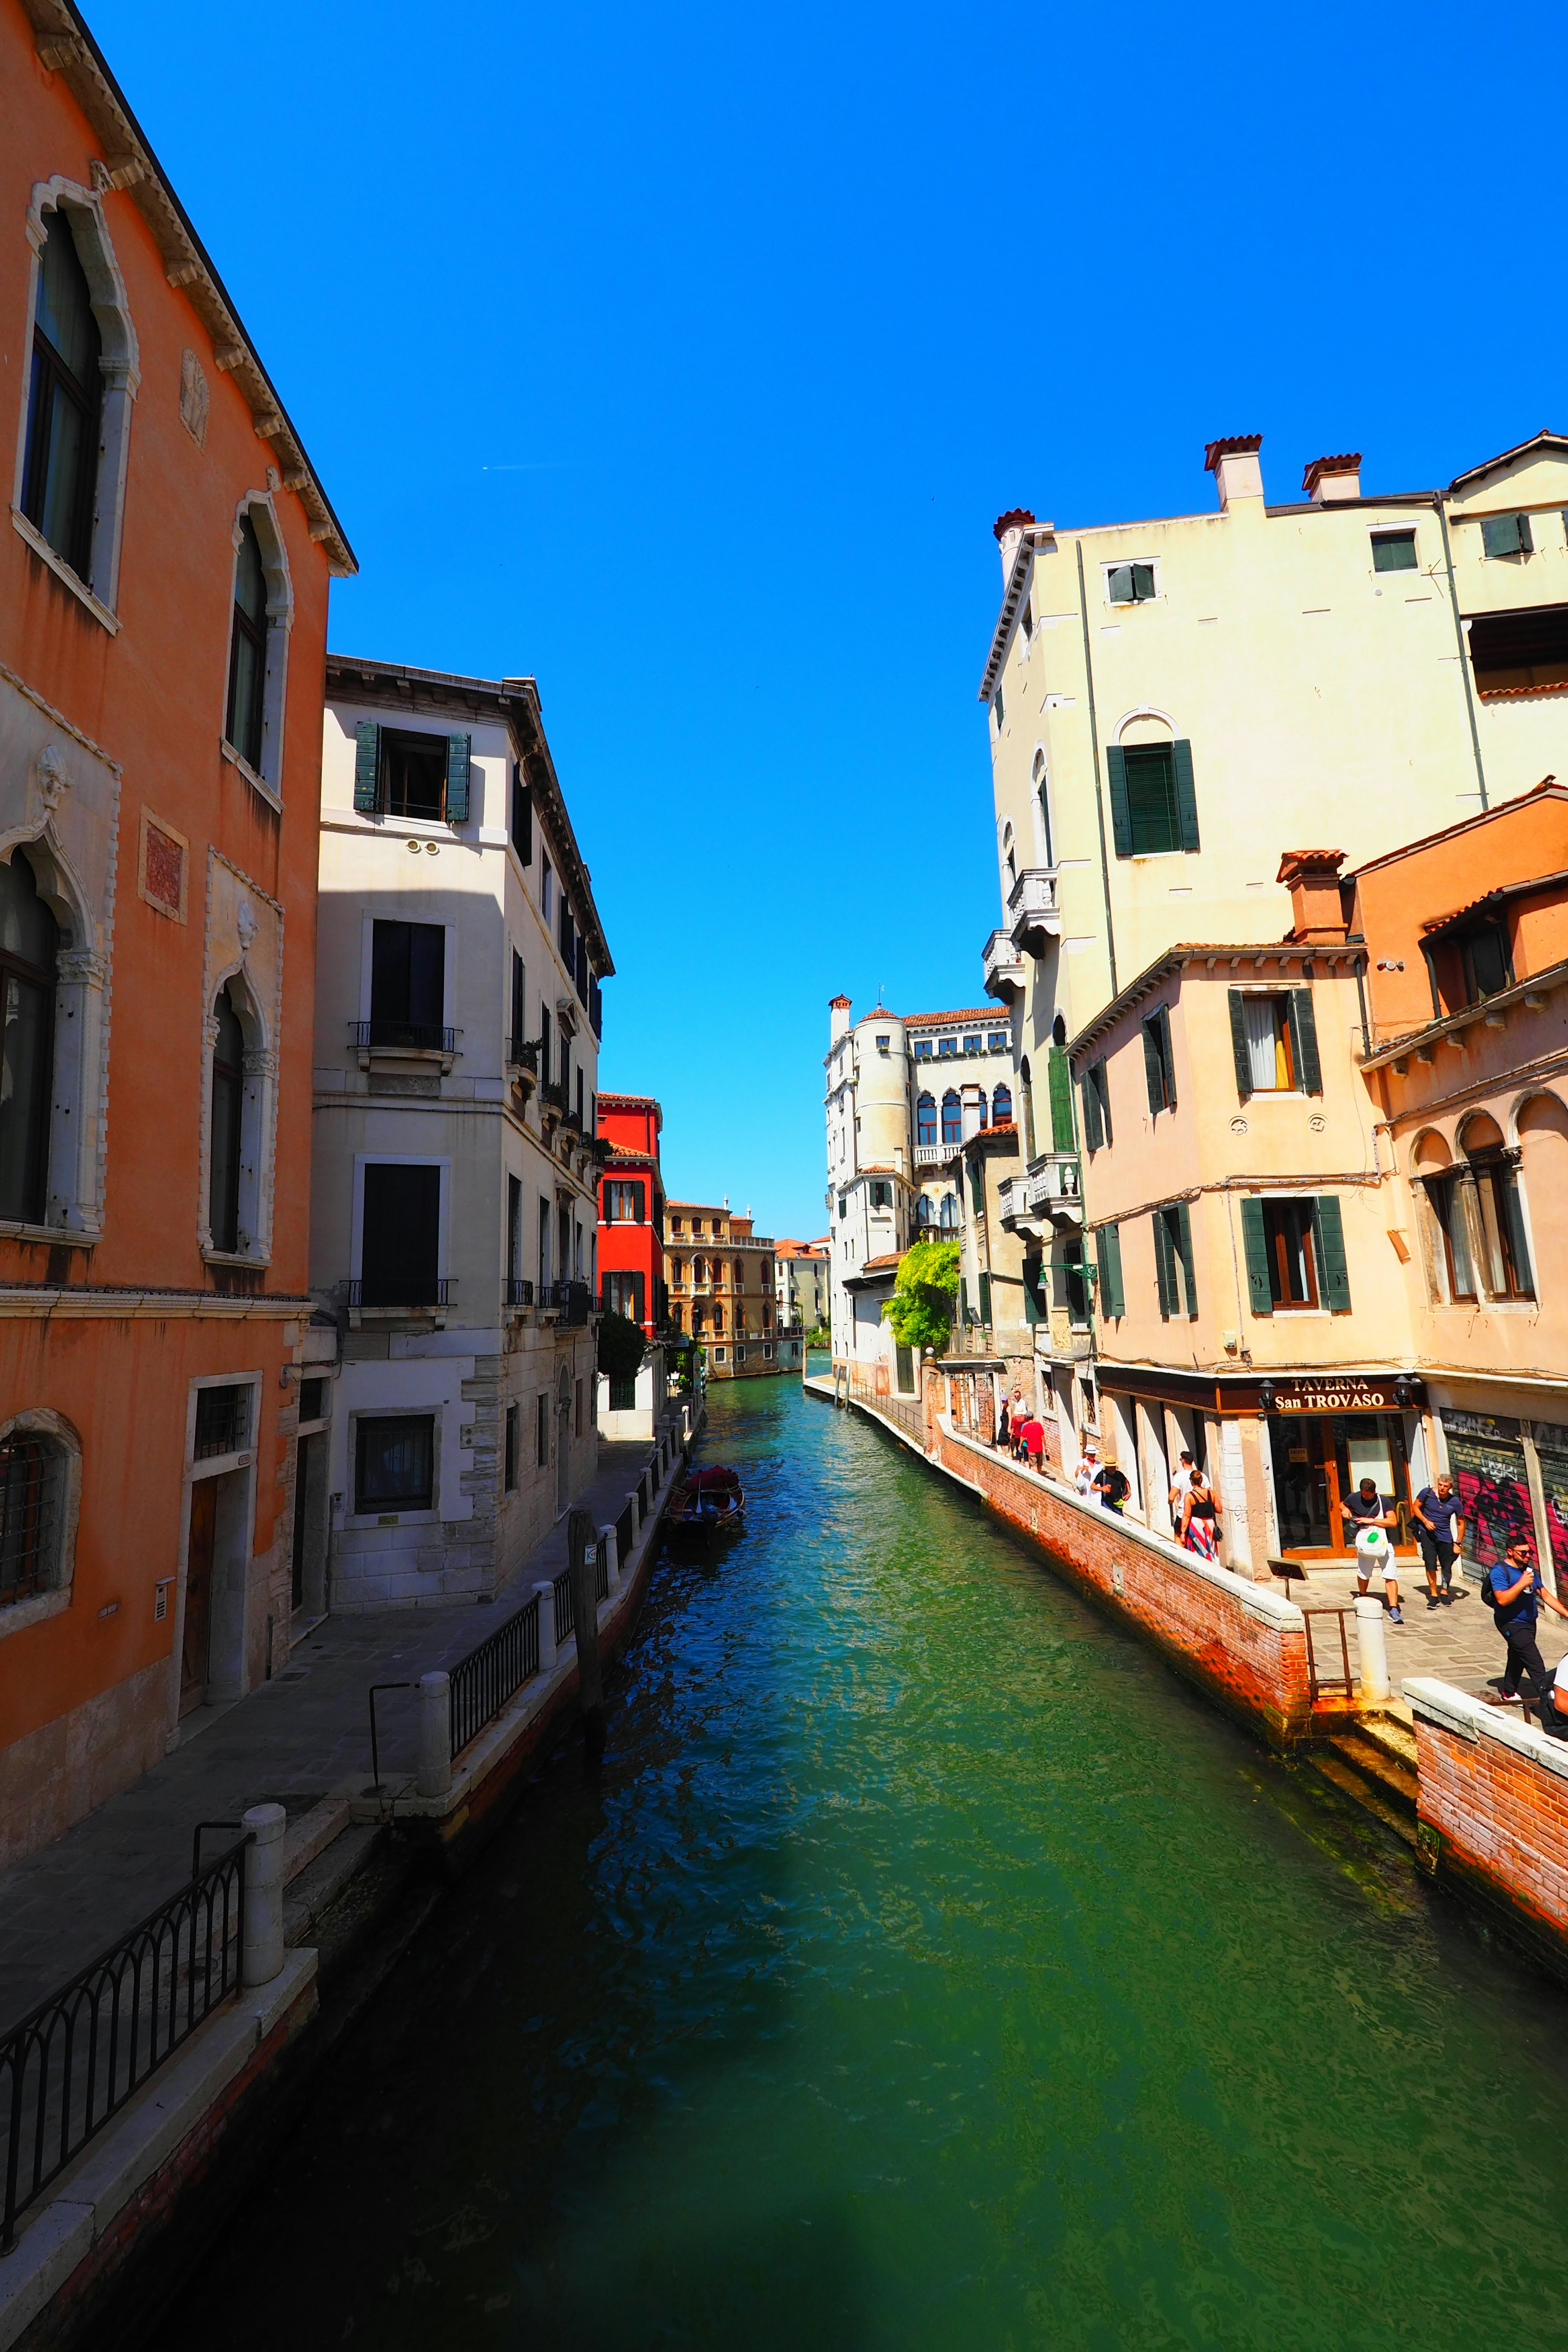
x,y
1165,1271
457,750
1107,1255
1114,1233
963,1299
1189,1271
1328,1233
1035,1308
367,767
1186,797
1255,1242
1103,1097
1242,1058
639,1204
1153,1069
986,1298
1091,1131
1304,1042
1120,813
1062,1137
1167,1059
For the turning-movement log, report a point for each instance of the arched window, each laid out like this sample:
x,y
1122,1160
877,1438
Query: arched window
x,y
29,938
952,1117
227,1115
1028,1110
39,1489
717,1322
1009,856
985,1114
1000,1106
925,1119
1506,1250
948,1217
64,402
699,1270
248,648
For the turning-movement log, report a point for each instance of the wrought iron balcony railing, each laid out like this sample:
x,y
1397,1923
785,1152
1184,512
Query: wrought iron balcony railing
x,y
414,1293
522,1053
519,1291
570,1300
404,1037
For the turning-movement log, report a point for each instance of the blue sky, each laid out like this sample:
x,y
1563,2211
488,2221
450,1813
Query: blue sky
x,y
684,359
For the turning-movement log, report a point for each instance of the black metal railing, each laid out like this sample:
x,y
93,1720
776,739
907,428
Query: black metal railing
x,y
523,1053
70,2066
566,1607
552,1095
601,1570
411,1291
623,1537
485,1682
405,1036
223,1420
519,1291
572,1300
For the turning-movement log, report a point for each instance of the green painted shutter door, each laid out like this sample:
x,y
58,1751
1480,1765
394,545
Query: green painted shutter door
x,y
367,766
963,1300
1113,1260
1120,813
1239,1054
1167,1059
458,750
1091,1133
1327,1230
1164,1272
1189,1271
1304,1039
639,1204
1255,1241
1061,1100
1103,1097
986,1298
1153,1075
1033,1307
1186,796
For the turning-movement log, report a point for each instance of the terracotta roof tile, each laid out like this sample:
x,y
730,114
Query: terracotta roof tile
x,y
1232,445
991,1013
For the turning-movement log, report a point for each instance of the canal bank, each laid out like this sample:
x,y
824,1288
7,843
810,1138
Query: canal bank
x,y
923,1967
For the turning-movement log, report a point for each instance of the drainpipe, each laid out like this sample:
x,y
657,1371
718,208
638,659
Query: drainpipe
x,y
1464,650
1094,745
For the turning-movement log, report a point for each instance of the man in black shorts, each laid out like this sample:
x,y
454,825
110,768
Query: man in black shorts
x,y
1439,1531
1513,1587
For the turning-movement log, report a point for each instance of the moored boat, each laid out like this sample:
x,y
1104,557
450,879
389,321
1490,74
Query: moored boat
x,y
707,1503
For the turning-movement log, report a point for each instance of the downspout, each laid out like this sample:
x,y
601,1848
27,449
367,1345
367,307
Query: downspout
x,y
1094,745
1459,639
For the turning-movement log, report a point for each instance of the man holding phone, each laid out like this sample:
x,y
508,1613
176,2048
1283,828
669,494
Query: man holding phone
x,y
1514,1586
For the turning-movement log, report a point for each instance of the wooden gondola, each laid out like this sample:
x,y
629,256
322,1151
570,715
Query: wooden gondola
x,y
708,1506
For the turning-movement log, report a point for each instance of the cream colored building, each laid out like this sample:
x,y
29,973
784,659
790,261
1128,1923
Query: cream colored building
x,y
803,1283
453,1203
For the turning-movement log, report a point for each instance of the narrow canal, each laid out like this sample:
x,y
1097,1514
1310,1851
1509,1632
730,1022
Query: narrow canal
x,y
926,1968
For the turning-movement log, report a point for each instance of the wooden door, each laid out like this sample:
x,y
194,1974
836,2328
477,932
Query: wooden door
x,y
198,1594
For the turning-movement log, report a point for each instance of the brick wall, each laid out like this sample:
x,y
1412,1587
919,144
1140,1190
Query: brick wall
x,y
1492,1813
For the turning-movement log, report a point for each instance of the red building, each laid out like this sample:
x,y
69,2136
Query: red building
x,y
631,1213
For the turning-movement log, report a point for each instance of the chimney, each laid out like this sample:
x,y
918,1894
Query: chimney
x,y
1327,478
1318,917
1009,531
838,1006
1234,465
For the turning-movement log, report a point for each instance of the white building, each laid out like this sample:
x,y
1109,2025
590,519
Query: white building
x,y
803,1284
453,1204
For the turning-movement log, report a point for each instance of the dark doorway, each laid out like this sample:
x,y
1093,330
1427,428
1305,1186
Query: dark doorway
x,y
402,1234
193,1639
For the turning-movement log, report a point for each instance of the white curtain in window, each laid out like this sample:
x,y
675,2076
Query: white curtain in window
x,y
1259,1013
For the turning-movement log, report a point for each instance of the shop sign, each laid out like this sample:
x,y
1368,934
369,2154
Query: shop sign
x,y
1477,1424
1342,1395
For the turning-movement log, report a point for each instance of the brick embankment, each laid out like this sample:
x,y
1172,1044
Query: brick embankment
x,y
1492,1814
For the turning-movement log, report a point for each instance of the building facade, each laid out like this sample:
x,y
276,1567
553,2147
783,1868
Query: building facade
x,y
803,1284
720,1282
163,595
631,1213
455,1210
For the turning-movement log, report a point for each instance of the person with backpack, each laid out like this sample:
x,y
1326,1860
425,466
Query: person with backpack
x,y
1512,1585
1112,1486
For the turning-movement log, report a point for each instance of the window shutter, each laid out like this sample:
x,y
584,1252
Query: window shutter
x,y
1304,1042
1153,1069
1186,797
367,766
1189,1271
1118,586
1328,1232
639,1203
963,1299
1165,1271
1167,1059
1120,813
1062,1136
1091,1130
1501,534
1239,1054
1107,1256
457,749
1034,1305
521,816
1513,1211
1526,540
986,1298
1255,1242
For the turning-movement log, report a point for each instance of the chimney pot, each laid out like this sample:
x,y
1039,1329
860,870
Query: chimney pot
x,y
1008,529
1327,478
1318,917
1234,463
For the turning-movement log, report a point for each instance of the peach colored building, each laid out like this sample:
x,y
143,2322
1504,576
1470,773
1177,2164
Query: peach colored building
x,y
164,589
720,1279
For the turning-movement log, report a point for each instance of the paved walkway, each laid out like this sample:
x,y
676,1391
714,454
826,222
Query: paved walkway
x,y
301,1736
1457,1644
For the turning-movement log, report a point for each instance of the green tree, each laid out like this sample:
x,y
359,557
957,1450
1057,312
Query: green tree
x,y
621,1347
920,1308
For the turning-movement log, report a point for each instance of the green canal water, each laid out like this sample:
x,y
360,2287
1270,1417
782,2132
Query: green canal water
x,y
926,1968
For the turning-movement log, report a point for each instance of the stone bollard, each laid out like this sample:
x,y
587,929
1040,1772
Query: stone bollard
x,y
636,1512
611,1543
1371,1642
433,1778
261,1955
546,1628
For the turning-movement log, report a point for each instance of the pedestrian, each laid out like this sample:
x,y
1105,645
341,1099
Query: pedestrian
x,y
1439,1531
1002,1426
1514,1586
1177,1499
1034,1440
1112,1486
1370,1514
1200,1518
1552,1706
1083,1477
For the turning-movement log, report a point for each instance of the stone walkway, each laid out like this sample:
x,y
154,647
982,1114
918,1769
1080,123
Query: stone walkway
x,y
1457,1644
301,1736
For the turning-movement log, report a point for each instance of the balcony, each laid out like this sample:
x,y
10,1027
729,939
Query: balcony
x,y
569,1301
936,1155
522,1061
1005,969
1032,912
403,1041
552,1099
1056,1189
519,1291
400,1293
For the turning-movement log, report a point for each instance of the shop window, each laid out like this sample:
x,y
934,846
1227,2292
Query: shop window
x,y
394,1463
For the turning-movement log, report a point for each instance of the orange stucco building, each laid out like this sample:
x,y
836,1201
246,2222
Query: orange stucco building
x,y
163,587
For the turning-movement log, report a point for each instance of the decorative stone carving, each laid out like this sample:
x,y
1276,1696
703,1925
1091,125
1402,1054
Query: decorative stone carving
x,y
50,776
246,924
194,398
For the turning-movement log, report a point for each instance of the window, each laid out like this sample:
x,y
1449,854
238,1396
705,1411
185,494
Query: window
x,y
952,1117
1071,1288
624,1296
947,1045
29,939
1484,960
1518,652
1447,1196
925,1119
247,649
1043,803
881,1198
1153,806
415,774
975,1044
509,1455
1501,1212
223,1420
1130,583
518,1036
623,1392
399,771
923,1049
522,816
1173,1250
624,1202
881,1045
1002,1107
1507,534
1107,1257
1273,1042
541,1431
1394,550
32,1495
985,1113
1096,1088
313,1400
401,1235
578,1386
1027,1084
546,889
59,471
1159,1065
407,985
1060,1081
997,707
999,1042
228,1114
1295,1253
675,1226
394,1463
947,1219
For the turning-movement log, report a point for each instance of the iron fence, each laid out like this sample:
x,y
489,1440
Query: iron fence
x,y
623,1537
1321,1678
566,1607
484,1683
519,1290
602,1570
571,1300
70,2066
404,1036
410,1291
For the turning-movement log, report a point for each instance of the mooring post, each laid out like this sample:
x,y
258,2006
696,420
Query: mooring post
x,y
612,1544
584,1581
261,1953
546,1594
1373,1644
433,1778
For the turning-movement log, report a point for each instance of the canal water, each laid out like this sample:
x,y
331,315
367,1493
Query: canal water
x,y
925,1968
